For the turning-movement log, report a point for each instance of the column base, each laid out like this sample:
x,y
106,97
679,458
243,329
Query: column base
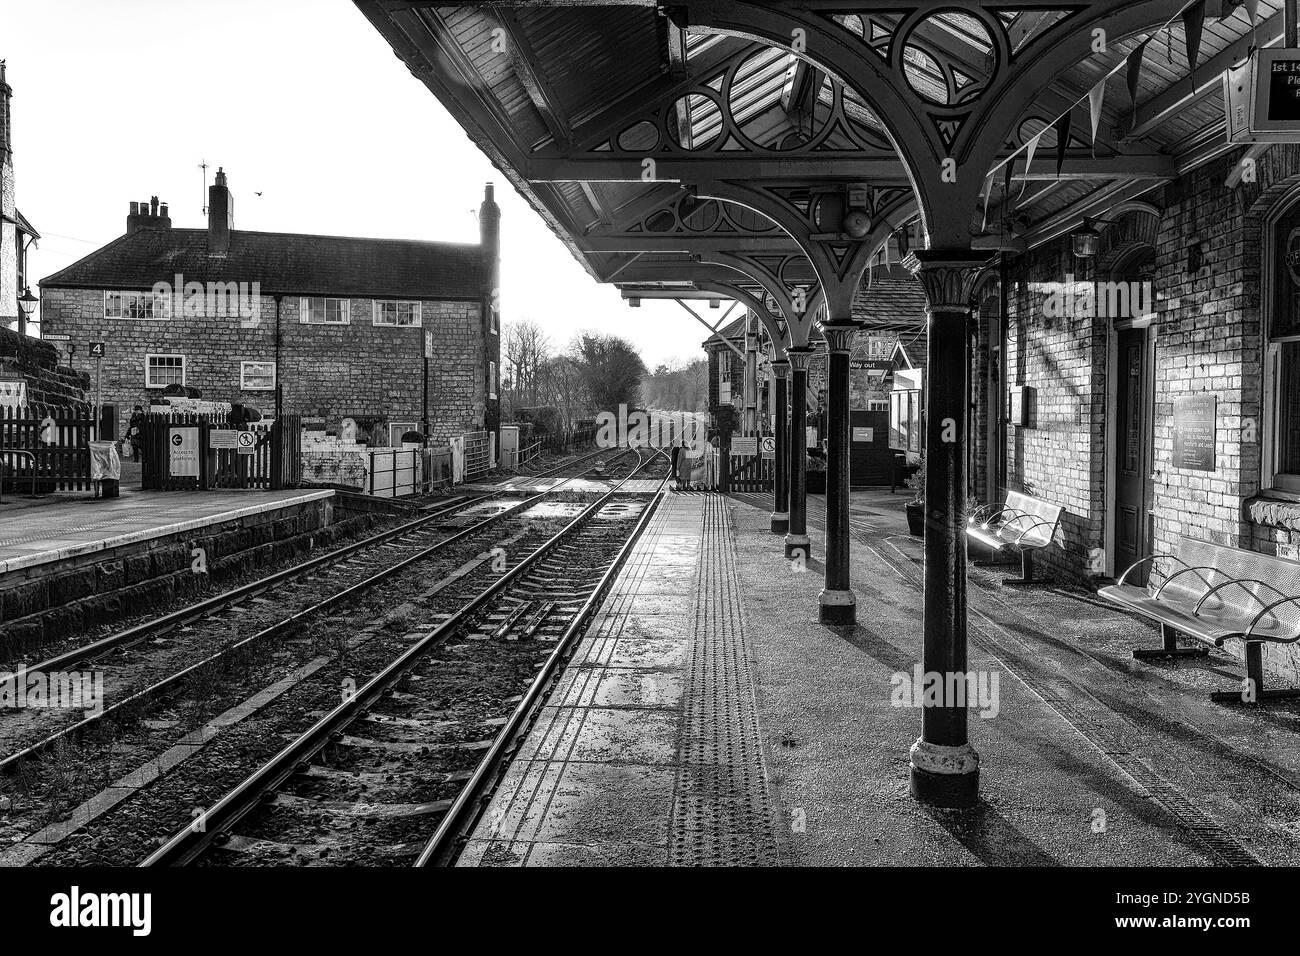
x,y
797,546
780,522
945,776
837,607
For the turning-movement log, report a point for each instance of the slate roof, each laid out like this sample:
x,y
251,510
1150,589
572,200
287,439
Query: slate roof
x,y
734,330
287,263
19,220
892,301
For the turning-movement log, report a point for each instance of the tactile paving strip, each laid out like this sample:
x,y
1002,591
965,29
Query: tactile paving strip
x,y
722,815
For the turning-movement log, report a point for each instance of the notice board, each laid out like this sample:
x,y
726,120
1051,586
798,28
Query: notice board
x,y
1195,420
183,451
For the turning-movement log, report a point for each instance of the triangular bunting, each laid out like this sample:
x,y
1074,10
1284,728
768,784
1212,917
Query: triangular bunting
x,y
988,191
1135,70
1030,148
1062,127
1252,10
1193,21
1095,97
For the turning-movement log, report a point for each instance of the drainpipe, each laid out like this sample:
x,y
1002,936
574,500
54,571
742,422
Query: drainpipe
x,y
279,388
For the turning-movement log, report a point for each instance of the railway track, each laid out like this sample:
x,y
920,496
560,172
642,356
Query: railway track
x,y
312,587
365,782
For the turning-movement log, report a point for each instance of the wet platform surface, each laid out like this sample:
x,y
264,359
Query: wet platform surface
x,y
709,719
61,527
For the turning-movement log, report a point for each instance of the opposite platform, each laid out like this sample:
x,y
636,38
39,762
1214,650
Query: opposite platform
x,y
68,527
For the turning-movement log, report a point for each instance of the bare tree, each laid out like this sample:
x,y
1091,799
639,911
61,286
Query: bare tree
x,y
527,349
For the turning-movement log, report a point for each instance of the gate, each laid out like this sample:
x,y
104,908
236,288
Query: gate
x,y
478,459
183,442
750,473
56,461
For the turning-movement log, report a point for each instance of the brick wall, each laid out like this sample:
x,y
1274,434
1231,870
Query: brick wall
x,y
357,370
1208,340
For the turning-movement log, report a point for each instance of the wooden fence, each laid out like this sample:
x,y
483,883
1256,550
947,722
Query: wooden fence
x,y
56,455
750,473
177,453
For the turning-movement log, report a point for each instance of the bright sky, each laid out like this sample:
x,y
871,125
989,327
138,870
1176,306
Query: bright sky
x,y
300,100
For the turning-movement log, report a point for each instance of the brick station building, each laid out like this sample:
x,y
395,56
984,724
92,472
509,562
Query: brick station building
x,y
337,324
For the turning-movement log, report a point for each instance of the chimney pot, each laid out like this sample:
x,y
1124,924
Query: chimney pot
x,y
135,209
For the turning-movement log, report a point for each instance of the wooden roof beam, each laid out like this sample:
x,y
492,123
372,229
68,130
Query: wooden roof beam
x,y
1208,76
531,75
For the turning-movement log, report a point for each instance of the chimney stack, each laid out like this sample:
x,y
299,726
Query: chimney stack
x,y
149,214
6,126
221,214
489,228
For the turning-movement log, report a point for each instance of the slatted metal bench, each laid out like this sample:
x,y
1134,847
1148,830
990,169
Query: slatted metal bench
x,y
1214,593
1021,524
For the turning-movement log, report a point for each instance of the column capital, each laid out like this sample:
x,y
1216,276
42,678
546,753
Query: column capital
x,y
947,275
800,357
839,335
781,368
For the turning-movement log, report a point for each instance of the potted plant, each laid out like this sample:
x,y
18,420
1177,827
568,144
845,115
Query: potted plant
x,y
815,476
915,508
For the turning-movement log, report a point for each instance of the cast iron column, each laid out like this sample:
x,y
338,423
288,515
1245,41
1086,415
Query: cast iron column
x,y
945,767
796,539
780,487
837,603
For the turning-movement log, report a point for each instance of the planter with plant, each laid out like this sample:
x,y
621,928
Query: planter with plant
x,y
915,508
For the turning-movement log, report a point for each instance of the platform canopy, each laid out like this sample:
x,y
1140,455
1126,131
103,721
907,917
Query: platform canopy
x,y
692,146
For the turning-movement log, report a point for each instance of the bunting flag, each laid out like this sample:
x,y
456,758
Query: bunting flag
x,y
1135,70
904,241
1030,148
1193,21
1252,11
988,191
1095,97
1062,127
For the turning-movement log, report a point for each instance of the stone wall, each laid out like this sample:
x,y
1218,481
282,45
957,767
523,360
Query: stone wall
x,y
358,370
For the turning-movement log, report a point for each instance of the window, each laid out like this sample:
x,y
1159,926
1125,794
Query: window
x,y
257,376
136,305
323,311
905,420
397,313
492,379
1282,358
877,348
163,370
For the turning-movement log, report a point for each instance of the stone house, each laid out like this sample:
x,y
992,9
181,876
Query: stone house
x,y
327,327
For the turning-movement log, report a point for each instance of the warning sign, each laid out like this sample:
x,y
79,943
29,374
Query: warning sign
x,y
769,448
246,442
744,446
183,451
223,438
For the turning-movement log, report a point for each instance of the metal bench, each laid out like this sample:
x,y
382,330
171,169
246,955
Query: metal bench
x,y
1214,594
1021,524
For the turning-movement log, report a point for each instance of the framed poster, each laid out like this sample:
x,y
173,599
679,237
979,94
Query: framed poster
x,y
1195,421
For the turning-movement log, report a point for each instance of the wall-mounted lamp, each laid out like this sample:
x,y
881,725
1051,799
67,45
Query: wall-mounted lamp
x,y
1085,240
26,306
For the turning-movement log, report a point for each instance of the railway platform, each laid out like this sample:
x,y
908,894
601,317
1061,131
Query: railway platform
x,y
58,528
708,718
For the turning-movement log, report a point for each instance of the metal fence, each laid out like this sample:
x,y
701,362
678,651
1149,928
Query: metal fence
x,y
44,449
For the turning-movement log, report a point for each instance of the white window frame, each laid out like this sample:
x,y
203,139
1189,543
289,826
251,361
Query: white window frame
x,y
377,310
1271,357
494,317
148,368
304,310
492,380
162,303
397,429
243,372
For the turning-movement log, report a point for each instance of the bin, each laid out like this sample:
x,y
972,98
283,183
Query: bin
x,y
105,467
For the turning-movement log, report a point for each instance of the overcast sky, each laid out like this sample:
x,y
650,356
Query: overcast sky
x,y
300,100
